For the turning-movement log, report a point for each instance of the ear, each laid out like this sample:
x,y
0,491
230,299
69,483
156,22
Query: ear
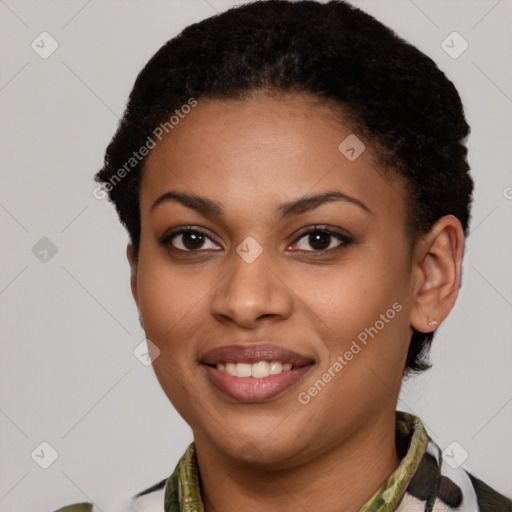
x,y
437,266
132,259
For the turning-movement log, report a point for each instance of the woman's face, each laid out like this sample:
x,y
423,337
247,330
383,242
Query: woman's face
x,y
255,269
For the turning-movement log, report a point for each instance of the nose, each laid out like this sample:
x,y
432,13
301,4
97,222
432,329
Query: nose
x,y
252,292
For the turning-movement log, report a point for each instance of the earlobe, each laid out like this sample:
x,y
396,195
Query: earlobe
x,y
132,259
438,260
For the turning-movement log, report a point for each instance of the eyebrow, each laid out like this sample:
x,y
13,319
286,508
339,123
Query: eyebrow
x,y
212,208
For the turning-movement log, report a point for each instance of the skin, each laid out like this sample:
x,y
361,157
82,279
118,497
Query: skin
x,y
250,156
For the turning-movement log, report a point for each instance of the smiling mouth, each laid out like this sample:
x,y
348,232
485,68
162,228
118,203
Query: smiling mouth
x,y
258,370
255,382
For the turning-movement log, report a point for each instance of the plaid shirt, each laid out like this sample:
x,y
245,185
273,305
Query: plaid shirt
x,y
424,481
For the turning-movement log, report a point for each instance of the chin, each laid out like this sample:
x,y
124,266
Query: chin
x,y
257,451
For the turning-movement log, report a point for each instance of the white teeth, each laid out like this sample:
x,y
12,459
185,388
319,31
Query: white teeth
x,y
260,369
257,370
243,370
275,367
230,368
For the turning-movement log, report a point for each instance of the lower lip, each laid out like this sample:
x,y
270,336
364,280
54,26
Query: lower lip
x,y
252,389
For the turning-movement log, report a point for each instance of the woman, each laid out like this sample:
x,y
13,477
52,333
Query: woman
x,y
293,178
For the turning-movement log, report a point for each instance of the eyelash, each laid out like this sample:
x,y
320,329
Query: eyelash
x,y
344,239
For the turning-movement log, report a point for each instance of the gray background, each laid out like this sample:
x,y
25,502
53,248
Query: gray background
x,y
68,373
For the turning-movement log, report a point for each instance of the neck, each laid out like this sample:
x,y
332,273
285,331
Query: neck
x,y
343,477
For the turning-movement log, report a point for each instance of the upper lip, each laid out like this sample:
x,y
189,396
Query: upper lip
x,y
253,354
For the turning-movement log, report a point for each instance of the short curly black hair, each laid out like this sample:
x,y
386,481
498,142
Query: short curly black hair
x,y
395,96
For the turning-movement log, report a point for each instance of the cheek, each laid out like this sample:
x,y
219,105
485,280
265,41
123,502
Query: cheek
x,y
170,306
167,313
169,297
356,294
365,305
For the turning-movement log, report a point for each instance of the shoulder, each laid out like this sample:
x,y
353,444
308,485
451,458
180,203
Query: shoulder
x,y
489,500
149,500
77,507
440,483
447,487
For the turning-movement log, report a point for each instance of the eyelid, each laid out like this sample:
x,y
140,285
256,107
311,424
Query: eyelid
x,y
341,235
171,233
326,228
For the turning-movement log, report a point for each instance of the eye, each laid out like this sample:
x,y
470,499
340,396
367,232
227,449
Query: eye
x,y
188,240
321,240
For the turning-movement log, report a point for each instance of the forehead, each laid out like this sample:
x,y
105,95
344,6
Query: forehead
x,y
265,149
